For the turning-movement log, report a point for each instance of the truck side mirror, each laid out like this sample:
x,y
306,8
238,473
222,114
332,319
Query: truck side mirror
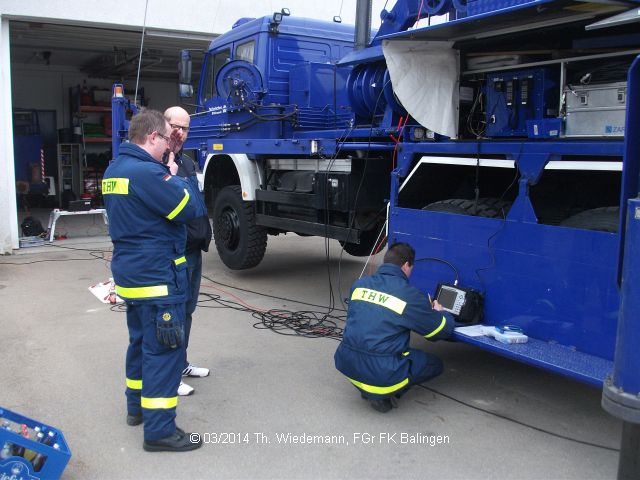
x,y
184,67
185,89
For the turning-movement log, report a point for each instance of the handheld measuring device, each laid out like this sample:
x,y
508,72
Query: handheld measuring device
x,y
463,303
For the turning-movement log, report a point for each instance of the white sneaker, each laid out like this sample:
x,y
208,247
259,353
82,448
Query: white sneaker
x,y
185,390
193,371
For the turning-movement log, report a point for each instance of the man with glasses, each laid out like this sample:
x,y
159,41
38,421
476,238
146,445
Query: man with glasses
x,y
148,207
198,232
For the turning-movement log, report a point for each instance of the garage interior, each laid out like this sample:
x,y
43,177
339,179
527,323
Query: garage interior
x,y
61,78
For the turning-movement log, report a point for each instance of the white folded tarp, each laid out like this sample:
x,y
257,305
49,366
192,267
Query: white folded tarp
x,y
425,78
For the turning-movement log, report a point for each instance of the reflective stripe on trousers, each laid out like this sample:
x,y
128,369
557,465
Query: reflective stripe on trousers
x,y
380,390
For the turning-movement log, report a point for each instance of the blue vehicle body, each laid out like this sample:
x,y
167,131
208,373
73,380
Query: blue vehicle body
x,y
556,281
296,132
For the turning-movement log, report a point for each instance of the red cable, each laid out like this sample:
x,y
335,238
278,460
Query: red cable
x,y
239,300
397,140
420,10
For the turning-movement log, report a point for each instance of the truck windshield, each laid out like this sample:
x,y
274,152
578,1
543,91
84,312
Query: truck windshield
x,y
214,63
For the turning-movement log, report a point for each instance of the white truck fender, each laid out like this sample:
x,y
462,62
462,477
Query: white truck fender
x,y
247,171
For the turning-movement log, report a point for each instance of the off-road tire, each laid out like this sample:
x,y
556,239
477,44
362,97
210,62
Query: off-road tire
x,y
605,219
240,242
485,207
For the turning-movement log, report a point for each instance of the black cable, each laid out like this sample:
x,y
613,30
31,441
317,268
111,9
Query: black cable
x,y
481,124
98,254
304,323
332,307
612,71
51,260
355,200
340,296
263,294
434,259
327,246
518,422
95,254
502,225
91,250
119,307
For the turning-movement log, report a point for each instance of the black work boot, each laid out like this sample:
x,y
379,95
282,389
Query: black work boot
x,y
133,420
382,406
178,442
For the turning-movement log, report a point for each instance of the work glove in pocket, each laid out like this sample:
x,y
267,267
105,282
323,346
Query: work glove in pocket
x,y
169,327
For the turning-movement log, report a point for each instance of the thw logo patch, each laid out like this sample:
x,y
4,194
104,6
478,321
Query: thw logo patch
x,y
379,298
115,186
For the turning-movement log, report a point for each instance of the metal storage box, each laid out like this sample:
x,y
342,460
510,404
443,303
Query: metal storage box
x,y
596,110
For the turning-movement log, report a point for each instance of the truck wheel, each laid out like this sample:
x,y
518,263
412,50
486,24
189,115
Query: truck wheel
x,y
604,219
240,242
486,207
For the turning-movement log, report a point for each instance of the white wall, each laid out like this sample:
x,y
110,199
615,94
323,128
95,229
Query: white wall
x,y
9,215
197,16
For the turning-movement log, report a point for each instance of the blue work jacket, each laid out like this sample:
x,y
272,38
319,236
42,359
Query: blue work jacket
x,y
148,209
198,229
383,310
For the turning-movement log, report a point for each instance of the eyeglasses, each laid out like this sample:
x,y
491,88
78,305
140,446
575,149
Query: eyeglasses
x,y
179,127
166,139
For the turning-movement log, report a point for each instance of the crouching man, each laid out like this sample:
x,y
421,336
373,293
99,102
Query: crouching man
x,y
374,353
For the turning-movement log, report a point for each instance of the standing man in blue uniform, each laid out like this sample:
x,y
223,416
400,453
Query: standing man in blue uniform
x,y
374,352
198,233
148,207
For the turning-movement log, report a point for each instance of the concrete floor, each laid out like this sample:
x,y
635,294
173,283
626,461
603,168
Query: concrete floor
x,y
62,362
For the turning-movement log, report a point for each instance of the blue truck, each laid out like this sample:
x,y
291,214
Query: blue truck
x,y
500,140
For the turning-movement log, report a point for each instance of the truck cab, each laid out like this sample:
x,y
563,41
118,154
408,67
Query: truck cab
x,y
269,96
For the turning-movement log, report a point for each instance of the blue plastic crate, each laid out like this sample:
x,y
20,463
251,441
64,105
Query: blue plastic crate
x,y
20,468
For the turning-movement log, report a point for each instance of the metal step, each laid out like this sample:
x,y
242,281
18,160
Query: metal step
x,y
548,355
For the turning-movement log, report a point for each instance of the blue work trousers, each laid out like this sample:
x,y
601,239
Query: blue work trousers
x,y
422,367
194,272
153,370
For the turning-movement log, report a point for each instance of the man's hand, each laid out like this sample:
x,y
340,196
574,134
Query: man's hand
x,y
173,166
175,140
436,306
